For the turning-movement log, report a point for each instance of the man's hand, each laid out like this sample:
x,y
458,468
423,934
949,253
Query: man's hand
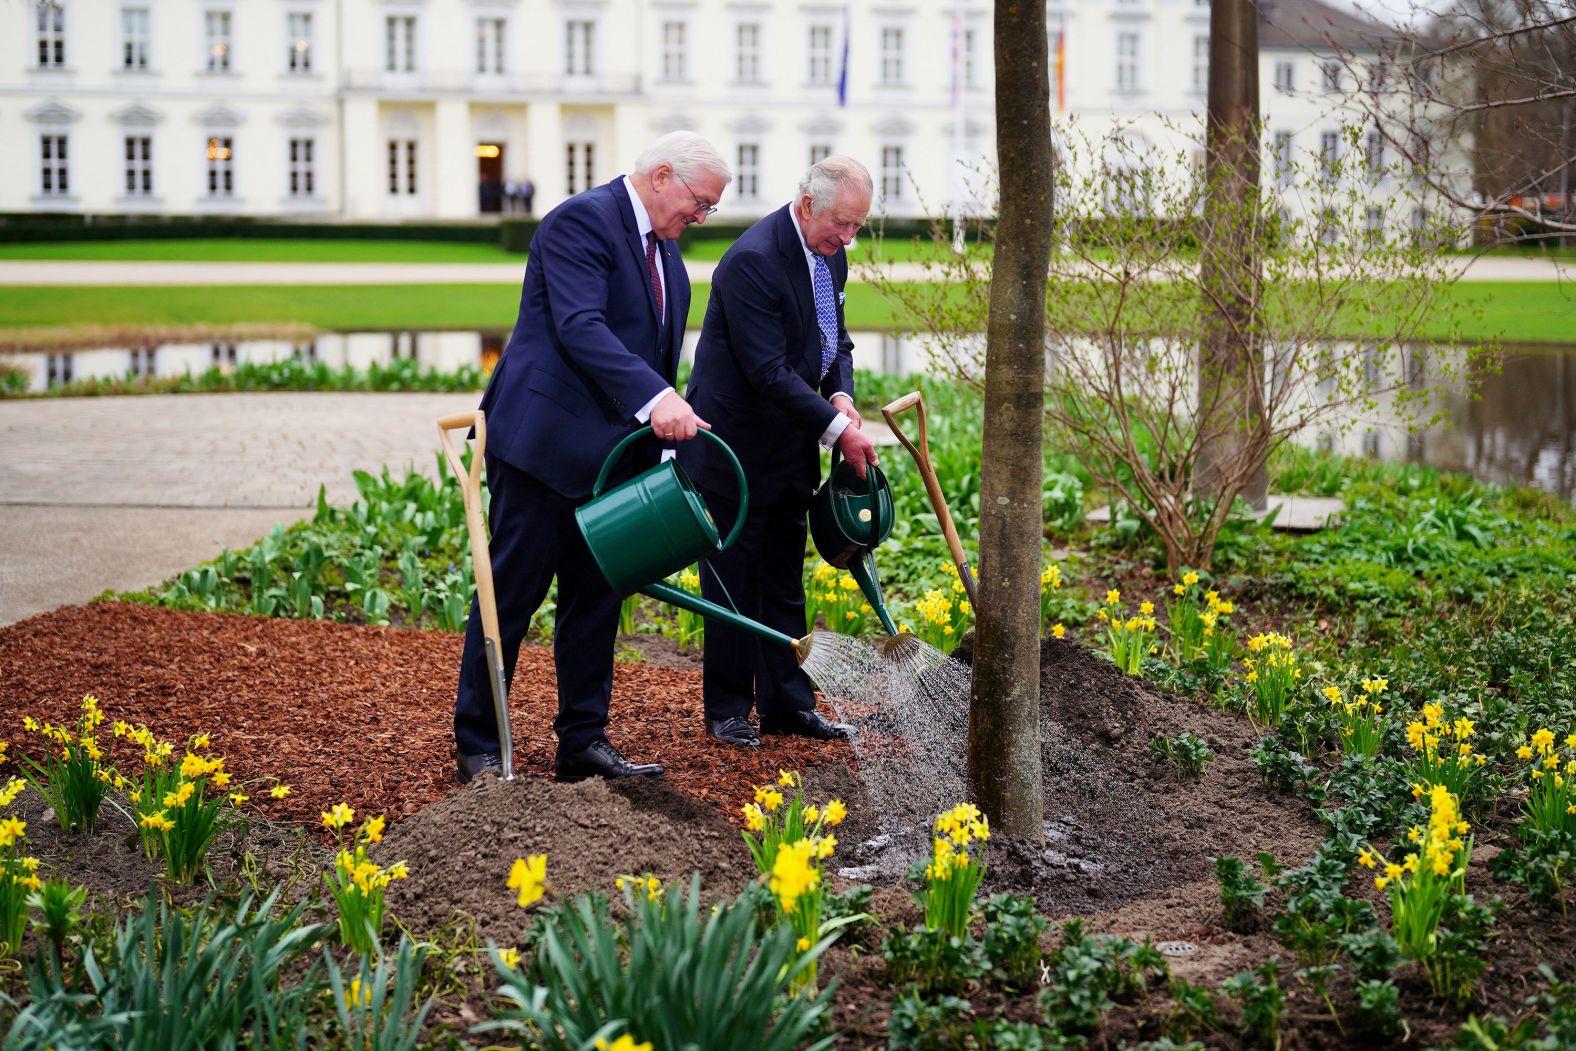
x,y
674,420
857,449
845,405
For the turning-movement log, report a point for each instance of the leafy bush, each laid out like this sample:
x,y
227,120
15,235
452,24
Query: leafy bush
x,y
1012,938
1188,752
1241,895
1090,974
1263,1003
933,960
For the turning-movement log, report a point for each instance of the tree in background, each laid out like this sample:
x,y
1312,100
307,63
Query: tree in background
x,y
1232,436
1352,321
1004,708
1479,101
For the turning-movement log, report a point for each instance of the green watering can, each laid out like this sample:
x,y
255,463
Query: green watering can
x,y
656,524
849,518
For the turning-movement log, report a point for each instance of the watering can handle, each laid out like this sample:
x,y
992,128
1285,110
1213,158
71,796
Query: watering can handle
x,y
738,473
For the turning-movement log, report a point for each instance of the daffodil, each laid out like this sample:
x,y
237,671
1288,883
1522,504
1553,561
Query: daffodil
x,y
528,876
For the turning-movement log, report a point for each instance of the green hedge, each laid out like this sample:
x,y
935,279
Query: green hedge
x,y
30,227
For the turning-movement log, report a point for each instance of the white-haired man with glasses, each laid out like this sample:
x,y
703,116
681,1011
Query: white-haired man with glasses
x,y
774,374
593,355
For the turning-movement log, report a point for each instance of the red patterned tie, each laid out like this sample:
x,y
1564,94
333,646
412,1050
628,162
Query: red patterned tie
x,y
651,265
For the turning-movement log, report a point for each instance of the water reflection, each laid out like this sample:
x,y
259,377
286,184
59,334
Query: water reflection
x,y
1520,429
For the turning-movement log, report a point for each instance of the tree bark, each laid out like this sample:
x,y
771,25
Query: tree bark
x,y
1231,456
1004,709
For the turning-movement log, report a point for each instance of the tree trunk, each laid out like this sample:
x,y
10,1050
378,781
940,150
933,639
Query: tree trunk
x,y
1231,456
1004,708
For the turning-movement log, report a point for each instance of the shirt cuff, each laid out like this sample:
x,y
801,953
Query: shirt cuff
x,y
835,430
644,415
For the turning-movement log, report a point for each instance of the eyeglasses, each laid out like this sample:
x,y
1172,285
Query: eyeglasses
x,y
700,206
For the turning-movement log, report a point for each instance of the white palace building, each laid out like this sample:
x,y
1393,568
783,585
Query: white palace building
x,y
377,110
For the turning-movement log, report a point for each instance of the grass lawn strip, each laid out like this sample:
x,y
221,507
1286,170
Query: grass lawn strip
x,y
1515,312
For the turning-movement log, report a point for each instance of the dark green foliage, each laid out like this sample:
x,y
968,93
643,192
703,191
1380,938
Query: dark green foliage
x,y
1088,975
1379,1009
1373,953
1241,895
1544,863
1287,771
1263,1001
182,981
1188,752
933,961
1462,944
1012,939
921,1025
1192,1012
854,902
1549,1025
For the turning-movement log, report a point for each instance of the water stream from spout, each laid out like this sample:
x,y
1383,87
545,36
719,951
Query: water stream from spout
x,y
910,717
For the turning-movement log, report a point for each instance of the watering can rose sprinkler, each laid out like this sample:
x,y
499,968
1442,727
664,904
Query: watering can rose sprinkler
x,y
656,524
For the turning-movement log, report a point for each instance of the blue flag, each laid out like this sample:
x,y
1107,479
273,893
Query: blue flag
x,y
842,77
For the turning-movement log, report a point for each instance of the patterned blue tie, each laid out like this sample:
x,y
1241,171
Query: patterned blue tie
x,y
825,314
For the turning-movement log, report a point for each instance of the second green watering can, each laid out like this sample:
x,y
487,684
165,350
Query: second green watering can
x,y
656,524
849,517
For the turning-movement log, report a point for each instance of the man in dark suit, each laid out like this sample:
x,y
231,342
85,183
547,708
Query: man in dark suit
x,y
774,373
593,355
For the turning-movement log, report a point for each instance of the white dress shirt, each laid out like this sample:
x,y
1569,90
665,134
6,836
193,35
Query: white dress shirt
x,y
840,422
644,227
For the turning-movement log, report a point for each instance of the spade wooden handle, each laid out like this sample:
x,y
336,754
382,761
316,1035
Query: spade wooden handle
x,y
470,485
921,455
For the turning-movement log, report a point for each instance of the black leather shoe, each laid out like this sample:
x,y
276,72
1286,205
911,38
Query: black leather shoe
x,y
806,724
735,730
471,765
601,759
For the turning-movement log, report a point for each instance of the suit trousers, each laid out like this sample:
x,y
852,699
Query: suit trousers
x,y
535,538
764,573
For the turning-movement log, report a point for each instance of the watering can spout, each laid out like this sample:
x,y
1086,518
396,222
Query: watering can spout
x,y
695,604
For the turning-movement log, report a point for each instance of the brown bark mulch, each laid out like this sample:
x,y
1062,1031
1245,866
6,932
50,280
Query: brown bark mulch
x,y
346,713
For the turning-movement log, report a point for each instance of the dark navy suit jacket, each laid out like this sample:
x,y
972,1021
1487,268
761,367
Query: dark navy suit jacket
x,y
588,351
757,369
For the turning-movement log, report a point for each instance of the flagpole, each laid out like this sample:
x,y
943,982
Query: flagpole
x,y
959,103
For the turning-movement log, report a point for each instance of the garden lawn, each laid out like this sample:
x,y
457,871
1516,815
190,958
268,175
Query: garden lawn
x,y
1515,312
321,306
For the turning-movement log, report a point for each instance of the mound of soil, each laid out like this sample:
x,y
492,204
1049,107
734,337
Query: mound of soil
x,y
460,850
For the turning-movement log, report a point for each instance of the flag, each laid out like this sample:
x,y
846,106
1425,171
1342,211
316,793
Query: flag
x,y
1061,69
842,77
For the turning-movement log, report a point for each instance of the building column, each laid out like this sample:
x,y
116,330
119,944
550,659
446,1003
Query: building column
x,y
363,162
544,153
454,161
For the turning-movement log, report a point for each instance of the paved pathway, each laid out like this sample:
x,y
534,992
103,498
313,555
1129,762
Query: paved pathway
x,y
122,493
81,272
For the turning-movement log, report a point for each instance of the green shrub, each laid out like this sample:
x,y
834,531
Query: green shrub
x,y
1012,939
1188,752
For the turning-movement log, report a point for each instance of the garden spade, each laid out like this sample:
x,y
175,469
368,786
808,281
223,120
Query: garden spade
x,y
470,485
921,455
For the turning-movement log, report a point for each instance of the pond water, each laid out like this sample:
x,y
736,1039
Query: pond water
x,y
1520,429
